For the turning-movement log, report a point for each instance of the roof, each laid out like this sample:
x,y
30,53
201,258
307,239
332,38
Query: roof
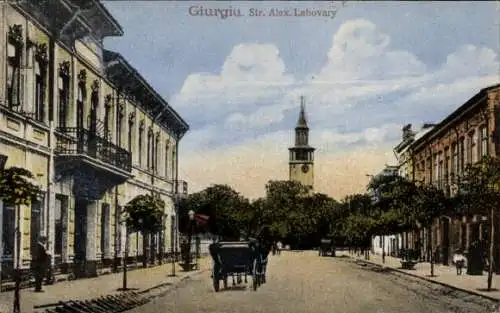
x,y
468,105
96,14
125,76
302,121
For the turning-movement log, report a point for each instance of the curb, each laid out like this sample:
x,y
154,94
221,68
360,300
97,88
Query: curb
x,y
148,292
181,279
429,279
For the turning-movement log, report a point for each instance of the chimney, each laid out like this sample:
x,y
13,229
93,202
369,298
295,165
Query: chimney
x,y
428,125
407,132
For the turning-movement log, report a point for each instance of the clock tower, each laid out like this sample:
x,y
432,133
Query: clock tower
x,y
301,159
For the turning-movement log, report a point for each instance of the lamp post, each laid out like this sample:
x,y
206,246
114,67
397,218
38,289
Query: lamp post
x,y
173,254
190,236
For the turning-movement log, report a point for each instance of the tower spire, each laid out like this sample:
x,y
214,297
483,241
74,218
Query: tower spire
x,y
302,121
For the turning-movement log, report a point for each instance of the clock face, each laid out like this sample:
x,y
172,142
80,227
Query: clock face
x,y
305,168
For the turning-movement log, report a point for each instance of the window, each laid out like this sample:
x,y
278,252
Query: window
x,y
149,148
461,155
39,91
141,135
470,148
166,159
80,104
60,209
13,74
156,152
8,231
107,117
94,103
172,172
36,221
63,86
440,170
119,123
130,132
454,160
428,173
446,169
483,147
104,229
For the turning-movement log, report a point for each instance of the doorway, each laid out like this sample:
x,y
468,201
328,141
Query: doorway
x,y
80,239
446,241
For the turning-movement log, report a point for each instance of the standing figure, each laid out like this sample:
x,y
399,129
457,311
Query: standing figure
x,y
39,258
279,246
459,260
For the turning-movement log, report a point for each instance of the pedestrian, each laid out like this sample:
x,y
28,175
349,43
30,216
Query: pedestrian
x,y
279,246
39,259
459,261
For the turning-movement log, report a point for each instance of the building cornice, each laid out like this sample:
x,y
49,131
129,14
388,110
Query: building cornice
x,y
455,116
118,68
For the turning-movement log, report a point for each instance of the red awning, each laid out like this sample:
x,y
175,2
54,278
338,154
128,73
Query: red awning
x,y
201,219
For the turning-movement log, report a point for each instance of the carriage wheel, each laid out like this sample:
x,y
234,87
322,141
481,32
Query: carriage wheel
x,y
255,276
216,280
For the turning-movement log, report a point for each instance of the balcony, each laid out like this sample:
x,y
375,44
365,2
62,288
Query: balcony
x,y
80,141
93,163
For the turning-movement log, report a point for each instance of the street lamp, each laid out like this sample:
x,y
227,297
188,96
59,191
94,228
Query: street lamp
x,y
3,160
190,235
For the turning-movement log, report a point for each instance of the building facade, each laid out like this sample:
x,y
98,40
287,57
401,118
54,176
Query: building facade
x,y
90,128
301,155
404,155
390,244
440,156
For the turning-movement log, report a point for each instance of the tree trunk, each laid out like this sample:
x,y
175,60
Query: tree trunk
x,y
383,249
145,250
431,256
125,259
491,246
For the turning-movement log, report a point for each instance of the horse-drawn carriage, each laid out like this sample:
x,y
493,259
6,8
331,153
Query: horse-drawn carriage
x,y
326,247
240,259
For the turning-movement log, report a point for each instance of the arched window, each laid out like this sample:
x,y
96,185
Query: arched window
x,y
141,138
149,149
80,99
63,87
13,74
167,157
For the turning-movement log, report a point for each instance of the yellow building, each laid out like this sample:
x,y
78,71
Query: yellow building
x,y
301,156
90,128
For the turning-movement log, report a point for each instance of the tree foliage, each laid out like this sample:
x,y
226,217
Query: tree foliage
x,y
227,209
16,186
144,213
479,187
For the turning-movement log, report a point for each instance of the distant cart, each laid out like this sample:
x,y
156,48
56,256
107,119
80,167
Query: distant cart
x,y
326,247
237,258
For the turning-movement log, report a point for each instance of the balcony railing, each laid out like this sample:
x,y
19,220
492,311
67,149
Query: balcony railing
x,y
81,141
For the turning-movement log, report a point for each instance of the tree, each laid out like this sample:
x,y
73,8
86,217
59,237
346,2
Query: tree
x,y
285,210
479,193
16,186
227,209
144,214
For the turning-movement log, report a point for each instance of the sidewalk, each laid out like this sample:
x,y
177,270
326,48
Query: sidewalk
x,y
444,275
82,289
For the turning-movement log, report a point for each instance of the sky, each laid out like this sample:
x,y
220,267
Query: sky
x,y
364,72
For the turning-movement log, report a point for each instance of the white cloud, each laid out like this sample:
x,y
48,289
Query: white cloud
x,y
363,83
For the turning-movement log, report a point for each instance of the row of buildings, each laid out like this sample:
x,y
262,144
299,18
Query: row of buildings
x,y
92,131
438,154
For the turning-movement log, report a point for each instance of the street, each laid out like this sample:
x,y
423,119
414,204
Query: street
x,y
305,282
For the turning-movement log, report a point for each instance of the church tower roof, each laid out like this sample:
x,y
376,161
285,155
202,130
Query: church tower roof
x,y
302,121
